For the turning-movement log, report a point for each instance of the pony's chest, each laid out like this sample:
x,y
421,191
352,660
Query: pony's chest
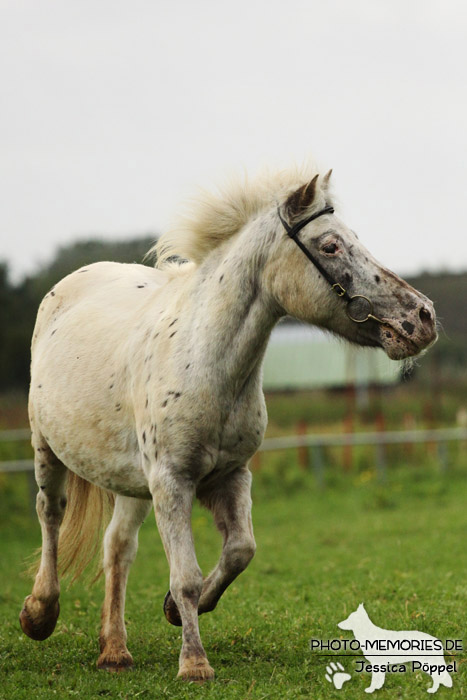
x,y
242,434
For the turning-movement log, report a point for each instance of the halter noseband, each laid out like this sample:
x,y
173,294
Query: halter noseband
x,y
292,232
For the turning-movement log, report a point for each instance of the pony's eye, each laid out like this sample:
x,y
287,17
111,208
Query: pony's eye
x,y
330,248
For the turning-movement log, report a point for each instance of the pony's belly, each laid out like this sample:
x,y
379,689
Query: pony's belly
x,y
121,477
118,472
109,460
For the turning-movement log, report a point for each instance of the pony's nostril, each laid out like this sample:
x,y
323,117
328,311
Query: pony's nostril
x,y
425,315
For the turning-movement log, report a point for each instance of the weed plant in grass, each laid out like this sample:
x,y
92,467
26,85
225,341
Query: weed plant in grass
x,y
397,546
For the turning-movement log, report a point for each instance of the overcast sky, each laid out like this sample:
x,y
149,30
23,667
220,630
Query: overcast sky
x,y
111,112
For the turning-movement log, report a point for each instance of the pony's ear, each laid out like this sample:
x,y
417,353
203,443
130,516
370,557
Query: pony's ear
x,y
326,179
301,199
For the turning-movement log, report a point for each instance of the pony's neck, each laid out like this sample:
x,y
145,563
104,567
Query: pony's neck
x,y
235,316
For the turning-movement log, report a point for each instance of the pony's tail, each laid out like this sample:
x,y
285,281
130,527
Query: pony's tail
x,y
87,514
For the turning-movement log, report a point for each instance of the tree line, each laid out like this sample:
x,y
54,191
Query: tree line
x,y
19,303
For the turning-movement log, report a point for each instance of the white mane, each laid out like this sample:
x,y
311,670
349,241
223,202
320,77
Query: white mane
x,y
210,218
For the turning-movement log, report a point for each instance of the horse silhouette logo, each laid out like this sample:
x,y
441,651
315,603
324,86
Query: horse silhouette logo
x,y
390,650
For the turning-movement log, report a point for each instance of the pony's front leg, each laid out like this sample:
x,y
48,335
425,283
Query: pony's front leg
x,y
231,508
120,546
173,500
41,609
230,504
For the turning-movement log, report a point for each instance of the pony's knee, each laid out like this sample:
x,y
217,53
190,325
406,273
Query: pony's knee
x,y
186,588
240,554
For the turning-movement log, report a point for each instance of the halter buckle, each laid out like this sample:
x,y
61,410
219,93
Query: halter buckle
x,y
339,289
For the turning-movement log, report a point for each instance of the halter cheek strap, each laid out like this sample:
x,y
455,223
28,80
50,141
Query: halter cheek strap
x,y
292,232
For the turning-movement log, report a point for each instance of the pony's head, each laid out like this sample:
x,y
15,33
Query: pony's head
x,y
308,263
318,271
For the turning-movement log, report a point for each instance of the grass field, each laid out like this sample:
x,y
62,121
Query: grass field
x,y
398,547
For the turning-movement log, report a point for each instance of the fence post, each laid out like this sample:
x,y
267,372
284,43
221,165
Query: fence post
x,y
443,456
348,449
256,462
380,448
302,449
318,465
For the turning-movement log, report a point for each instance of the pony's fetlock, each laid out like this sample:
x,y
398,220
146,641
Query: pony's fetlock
x,y
115,657
196,669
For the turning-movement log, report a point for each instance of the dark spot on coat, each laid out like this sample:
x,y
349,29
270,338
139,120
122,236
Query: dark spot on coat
x,y
348,278
377,279
221,278
54,331
155,454
409,327
42,488
83,270
118,407
174,321
147,402
63,500
187,366
140,286
43,466
52,294
172,334
144,436
177,395
145,456
155,336
39,386
164,404
111,386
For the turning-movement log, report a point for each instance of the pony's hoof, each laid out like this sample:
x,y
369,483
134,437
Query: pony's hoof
x,y
38,620
171,611
196,670
115,661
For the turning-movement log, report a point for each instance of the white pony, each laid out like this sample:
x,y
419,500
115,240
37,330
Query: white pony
x,y
146,388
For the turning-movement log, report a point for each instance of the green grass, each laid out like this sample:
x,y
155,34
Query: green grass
x,y
397,546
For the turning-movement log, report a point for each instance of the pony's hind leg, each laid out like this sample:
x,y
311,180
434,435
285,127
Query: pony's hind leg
x,y
231,507
120,545
41,609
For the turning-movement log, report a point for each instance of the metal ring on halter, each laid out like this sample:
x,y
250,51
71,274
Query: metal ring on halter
x,y
369,314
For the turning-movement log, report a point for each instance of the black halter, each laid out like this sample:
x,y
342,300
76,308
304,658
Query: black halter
x,y
292,232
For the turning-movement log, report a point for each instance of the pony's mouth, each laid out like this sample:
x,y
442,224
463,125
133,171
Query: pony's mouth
x,y
397,344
